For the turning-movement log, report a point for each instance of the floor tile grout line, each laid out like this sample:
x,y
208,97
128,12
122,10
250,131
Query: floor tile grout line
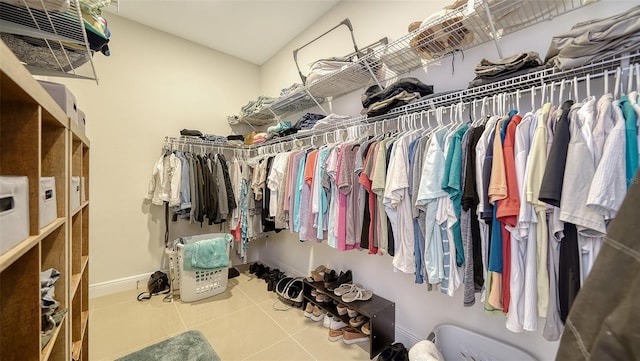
x,y
243,308
288,333
184,323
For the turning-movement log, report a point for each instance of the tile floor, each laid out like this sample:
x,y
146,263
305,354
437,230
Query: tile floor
x,y
240,324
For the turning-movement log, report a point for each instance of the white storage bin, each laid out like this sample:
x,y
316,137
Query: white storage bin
x,y
74,198
196,285
65,99
83,194
82,123
48,203
456,343
14,211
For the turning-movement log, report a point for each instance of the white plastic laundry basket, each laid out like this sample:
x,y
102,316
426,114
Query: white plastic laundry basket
x,y
458,344
196,285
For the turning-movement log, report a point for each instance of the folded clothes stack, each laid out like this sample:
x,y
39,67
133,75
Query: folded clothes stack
x,y
325,67
308,121
259,138
256,105
377,102
328,121
291,89
235,139
194,133
489,71
596,40
281,126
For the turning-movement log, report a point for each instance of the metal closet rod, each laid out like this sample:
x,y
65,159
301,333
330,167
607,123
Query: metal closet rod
x,y
546,88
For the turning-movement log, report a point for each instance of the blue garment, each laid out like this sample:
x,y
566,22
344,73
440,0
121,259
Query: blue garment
x,y
631,156
207,254
297,194
452,185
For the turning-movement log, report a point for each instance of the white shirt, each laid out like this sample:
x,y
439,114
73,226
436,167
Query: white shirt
x,y
396,197
164,185
609,184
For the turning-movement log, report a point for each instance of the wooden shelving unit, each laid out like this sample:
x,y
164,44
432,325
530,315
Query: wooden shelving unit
x,y
38,141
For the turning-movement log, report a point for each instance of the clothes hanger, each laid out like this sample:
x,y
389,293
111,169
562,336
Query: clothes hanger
x,y
606,81
616,89
637,77
588,85
630,80
575,88
518,101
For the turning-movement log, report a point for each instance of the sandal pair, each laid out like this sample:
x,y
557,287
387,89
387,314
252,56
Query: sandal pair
x,y
357,294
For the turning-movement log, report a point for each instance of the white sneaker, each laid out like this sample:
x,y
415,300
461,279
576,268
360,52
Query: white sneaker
x,y
328,319
308,311
318,314
337,324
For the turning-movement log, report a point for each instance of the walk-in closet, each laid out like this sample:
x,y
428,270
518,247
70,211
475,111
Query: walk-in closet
x,y
319,180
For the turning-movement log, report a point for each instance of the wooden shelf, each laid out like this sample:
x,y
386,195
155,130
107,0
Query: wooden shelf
x,y
75,282
17,85
84,320
75,350
78,135
84,204
85,262
46,351
76,211
23,247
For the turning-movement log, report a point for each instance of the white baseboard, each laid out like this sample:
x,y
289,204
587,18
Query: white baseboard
x,y
407,338
119,285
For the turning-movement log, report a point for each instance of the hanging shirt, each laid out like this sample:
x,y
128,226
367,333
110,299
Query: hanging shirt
x,y
377,186
609,185
332,170
298,191
522,281
451,184
397,199
633,99
537,162
509,207
429,192
164,185
631,127
347,189
365,180
551,188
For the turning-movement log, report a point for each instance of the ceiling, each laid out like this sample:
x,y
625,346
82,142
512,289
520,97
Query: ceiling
x,y
253,30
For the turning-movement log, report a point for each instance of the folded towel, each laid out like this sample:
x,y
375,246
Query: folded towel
x,y
206,254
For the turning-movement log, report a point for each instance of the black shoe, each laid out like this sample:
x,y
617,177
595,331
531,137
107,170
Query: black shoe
x,y
262,271
233,272
330,277
253,268
345,277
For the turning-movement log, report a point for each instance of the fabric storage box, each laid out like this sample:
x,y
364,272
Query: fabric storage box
x,y
48,204
65,99
83,194
74,198
82,123
14,211
196,285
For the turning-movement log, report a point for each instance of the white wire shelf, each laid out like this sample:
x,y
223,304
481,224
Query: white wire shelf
x,y
291,103
48,42
460,29
522,82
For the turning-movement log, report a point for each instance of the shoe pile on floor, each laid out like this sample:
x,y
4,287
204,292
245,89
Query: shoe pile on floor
x,y
270,275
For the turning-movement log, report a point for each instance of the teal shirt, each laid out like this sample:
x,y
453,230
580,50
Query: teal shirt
x,y
630,119
297,194
451,183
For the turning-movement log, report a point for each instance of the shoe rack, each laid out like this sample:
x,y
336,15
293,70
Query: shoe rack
x,y
380,312
38,139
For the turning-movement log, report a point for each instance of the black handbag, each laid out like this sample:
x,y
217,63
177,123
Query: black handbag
x,y
290,289
158,284
395,352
